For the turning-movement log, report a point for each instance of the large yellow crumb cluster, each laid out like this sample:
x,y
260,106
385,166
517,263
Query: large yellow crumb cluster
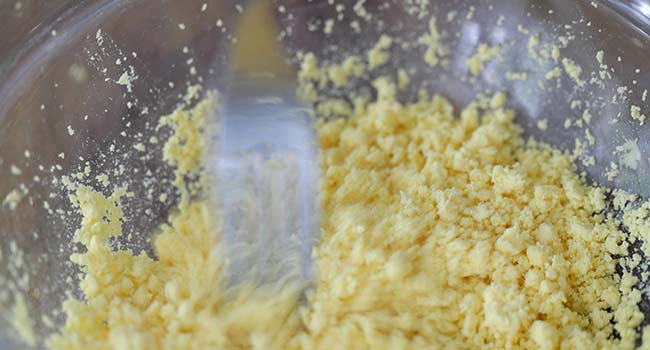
x,y
452,233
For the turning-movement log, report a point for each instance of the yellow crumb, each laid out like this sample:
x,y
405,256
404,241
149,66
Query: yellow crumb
x,y
635,113
586,116
351,67
329,26
403,79
15,170
13,198
533,43
140,147
573,70
555,53
103,179
484,54
554,73
517,75
433,42
379,54
600,55
125,80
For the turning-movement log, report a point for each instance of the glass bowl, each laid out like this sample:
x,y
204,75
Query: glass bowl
x,y
63,102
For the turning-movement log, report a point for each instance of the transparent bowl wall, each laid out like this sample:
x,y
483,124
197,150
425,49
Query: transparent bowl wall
x,y
54,73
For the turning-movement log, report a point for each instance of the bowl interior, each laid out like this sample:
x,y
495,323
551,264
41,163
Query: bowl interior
x,y
92,83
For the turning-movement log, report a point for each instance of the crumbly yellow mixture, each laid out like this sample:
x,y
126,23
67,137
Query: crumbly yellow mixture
x,y
439,232
452,233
